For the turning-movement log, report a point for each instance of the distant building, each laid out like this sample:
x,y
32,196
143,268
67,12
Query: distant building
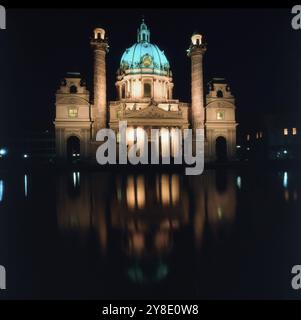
x,y
274,137
145,100
283,136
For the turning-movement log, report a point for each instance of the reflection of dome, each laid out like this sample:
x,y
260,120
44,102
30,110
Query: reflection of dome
x,y
147,273
144,55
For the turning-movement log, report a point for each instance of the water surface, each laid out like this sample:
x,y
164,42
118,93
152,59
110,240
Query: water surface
x,y
104,235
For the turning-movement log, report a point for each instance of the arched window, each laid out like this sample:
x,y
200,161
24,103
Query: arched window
x,y
147,90
73,89
219,94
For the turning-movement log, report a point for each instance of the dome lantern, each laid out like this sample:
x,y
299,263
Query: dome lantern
x,y
143,33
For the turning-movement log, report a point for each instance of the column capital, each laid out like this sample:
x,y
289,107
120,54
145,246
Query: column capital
x,y
198,49
98,44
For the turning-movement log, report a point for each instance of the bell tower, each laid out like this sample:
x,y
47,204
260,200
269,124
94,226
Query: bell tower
x,y
220,121
72,118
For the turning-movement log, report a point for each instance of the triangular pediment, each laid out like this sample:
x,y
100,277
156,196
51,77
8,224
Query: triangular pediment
x,y
153,112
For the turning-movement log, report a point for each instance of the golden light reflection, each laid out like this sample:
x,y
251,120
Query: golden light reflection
x,y
215,203
140,192
137,243
162,239
168,189
175,189
81,211
135,192
165,190
130,192
212,203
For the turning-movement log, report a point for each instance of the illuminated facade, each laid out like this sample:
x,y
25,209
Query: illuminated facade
x,y
145,100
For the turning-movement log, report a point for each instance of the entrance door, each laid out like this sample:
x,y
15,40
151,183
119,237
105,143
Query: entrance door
x,y
221,149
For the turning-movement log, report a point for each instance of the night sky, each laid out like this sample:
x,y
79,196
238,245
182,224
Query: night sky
x,y
257,51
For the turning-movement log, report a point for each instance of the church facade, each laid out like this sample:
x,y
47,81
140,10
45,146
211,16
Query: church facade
x,y
145,100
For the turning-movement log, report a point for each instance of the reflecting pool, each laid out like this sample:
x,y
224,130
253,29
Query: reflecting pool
x,y
94,235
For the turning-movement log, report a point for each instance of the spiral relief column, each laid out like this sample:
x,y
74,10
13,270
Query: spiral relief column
x,y
196,52
100,47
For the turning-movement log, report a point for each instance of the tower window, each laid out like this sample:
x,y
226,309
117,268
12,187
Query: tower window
x,y
147,90
73,89
285,131
220,115
248,137
219,93
123,91
73,112
294,131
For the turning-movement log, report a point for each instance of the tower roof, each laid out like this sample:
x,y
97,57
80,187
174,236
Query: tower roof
x,y
144,55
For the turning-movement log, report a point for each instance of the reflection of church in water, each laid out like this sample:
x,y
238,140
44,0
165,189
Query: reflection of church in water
x,y
145,100
138,216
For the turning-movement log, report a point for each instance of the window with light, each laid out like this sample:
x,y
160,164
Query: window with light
x,y
285,131
73,112
294,131
220,115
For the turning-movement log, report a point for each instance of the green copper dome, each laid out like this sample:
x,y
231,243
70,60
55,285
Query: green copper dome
x,y
143,56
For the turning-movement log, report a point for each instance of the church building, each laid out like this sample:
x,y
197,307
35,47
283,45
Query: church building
x,y
144,86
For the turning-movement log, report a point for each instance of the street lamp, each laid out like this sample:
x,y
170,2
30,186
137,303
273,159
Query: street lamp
x,y
3,152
